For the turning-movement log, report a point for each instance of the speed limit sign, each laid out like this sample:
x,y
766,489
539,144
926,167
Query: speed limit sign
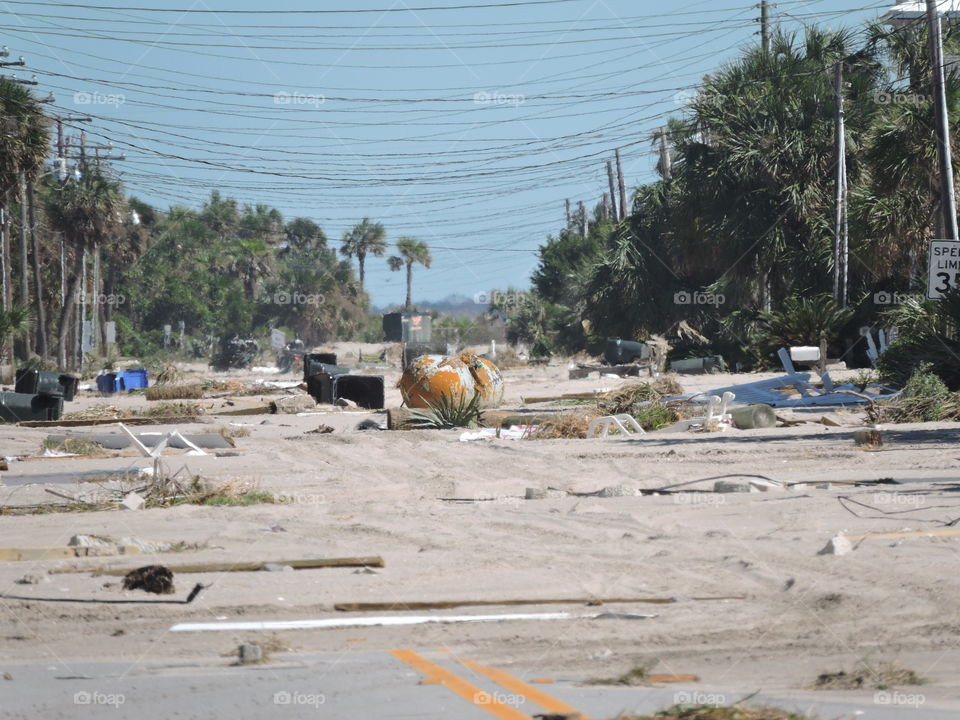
x,y
943,268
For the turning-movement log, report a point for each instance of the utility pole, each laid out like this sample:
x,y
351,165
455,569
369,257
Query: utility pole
x,y
613,193
622,185
666,164
839,238
765,25
24,256
948,200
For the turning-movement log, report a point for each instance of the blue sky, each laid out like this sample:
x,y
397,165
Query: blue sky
x,y
465,128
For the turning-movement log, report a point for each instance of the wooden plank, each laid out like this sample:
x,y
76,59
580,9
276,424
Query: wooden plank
x,y
17,554
256,410
183,420
448,604
565,396
672,678
373,561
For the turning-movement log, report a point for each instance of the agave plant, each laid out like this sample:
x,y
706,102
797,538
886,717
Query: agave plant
x,y
450,410
804,321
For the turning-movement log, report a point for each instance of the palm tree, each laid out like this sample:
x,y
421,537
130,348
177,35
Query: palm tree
x,y
14,322
23,147
365,238
411,251
753,180
88,212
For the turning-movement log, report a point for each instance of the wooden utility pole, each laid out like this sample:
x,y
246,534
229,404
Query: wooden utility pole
x,y
622,185
765,25
613,193
948,199
24,256
666,163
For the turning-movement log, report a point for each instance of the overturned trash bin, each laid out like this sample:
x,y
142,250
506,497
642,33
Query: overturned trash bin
x,y
620,352
430,378
33,382
18,407
365,390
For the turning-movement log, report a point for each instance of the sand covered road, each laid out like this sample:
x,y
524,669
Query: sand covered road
x,y
352,493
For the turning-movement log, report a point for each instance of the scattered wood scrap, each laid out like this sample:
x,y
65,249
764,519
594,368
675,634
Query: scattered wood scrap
x,y
373,561
565,396
81,422
448,604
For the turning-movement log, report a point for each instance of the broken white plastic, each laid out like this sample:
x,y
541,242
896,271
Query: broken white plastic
x,y
155,451
387,620
623,423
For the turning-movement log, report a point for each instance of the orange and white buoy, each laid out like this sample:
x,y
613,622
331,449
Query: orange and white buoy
x,y
429,378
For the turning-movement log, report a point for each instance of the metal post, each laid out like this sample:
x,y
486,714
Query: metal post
x,y
839,142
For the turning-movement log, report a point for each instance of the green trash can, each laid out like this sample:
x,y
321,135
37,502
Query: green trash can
x,y
32,382
18,407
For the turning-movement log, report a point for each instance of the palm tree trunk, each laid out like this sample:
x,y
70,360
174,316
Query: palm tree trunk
x,y
7,291
24,342
66,313
360,258
409,284
41,345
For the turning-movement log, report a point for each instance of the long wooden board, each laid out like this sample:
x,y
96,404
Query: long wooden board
x,y
373,561
447,604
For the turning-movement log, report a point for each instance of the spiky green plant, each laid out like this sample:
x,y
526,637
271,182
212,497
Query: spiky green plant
x,y
803,321
450,410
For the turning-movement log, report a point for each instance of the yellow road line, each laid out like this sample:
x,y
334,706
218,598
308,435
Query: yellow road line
x,y
516,685
460,686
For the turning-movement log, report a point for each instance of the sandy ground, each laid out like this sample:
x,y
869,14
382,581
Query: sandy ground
x,y
358,493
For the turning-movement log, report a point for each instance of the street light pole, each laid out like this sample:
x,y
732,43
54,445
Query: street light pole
x,y
948,198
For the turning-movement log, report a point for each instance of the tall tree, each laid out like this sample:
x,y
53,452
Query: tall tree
x,y
411,251
24,139
365,238
754,183
87,211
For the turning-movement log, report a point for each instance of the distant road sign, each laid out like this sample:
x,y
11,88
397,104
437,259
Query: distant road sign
x,y
943,268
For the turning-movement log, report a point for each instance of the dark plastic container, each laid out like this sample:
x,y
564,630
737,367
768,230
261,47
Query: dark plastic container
x,y
108,383
367,391
314,363
699,366
19,407
133,379
32,382
620,352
